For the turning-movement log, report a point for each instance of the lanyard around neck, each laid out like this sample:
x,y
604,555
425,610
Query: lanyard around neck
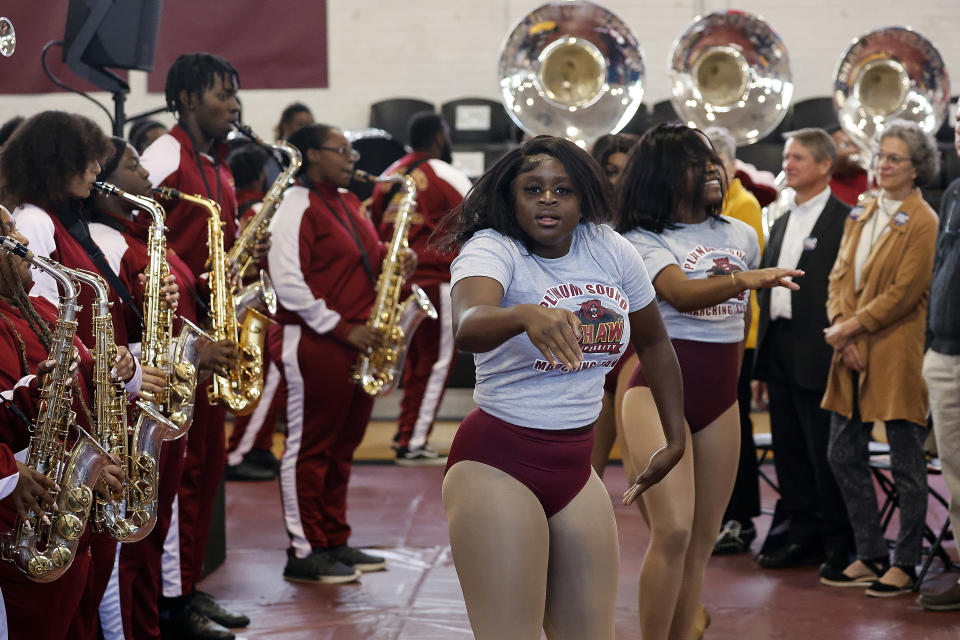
x,y
352,229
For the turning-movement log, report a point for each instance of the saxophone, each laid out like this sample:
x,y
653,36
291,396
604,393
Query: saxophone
x,y
379,371
132,516
177,357
44,551
241,391
242,250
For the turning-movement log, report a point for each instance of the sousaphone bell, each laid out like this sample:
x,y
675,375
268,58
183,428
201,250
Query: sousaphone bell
x,y
893,73
571,69
731,69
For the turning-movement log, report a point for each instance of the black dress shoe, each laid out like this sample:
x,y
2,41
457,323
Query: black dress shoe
x,y
792,555
186,623
205,604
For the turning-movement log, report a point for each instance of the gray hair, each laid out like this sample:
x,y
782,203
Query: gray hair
x,y
924,154
818,142
722,141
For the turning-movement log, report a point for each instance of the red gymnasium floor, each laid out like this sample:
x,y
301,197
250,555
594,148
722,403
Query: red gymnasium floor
x,y
398,511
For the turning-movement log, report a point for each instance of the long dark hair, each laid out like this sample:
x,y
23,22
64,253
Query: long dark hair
x,y
490,204
656,180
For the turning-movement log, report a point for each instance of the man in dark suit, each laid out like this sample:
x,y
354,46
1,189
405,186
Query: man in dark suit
x,y
793,360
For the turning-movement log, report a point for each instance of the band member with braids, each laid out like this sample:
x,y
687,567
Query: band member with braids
x,y
610,152
121,231
547,299
26,335
431,355
48,167
201,89
702,265
324,261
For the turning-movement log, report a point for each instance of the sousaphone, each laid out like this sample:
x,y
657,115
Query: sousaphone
x,y
893,73
571,69
731,69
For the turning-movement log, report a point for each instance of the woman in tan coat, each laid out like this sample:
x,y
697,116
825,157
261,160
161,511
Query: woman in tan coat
x,y
877,305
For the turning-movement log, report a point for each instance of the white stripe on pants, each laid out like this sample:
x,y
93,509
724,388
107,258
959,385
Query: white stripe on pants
x,y
288,463
433,392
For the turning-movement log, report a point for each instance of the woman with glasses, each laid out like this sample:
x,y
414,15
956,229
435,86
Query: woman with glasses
x,y
877,304
325,260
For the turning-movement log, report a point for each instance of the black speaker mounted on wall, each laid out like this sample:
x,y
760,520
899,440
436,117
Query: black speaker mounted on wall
x,y
110,33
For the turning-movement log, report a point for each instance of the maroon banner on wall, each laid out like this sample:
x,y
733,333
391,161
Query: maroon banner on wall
x,y
37,24
275,44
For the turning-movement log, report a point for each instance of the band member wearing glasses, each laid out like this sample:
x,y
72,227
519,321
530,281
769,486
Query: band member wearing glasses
x,y
201,89
877,306
324,261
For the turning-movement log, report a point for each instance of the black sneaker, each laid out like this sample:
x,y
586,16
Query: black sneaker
x,y
319,567
357,558
248,472
734,538
422,456
263,458
186,623
205,604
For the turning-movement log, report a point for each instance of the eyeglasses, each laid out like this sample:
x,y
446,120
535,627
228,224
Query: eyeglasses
x,y
350,154
890,157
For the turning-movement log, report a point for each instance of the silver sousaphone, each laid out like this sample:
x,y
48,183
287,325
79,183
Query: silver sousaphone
x,y
893,73
571,69
8,38
731,69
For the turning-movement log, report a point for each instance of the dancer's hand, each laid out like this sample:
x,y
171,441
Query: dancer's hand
x,y
662,460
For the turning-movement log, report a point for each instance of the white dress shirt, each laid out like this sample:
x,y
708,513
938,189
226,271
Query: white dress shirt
x,y
796,240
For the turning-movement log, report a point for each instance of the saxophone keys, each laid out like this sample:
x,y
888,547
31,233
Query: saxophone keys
x,y
39,566
78,499
69,526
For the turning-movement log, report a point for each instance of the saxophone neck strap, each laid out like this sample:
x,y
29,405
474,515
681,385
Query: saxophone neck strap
x,y
352,229
395,188
78,229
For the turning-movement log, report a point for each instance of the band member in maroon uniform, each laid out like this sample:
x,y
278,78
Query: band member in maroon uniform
x,y
431,355
49,166
26,326
202,90
324,261
121,231
248,450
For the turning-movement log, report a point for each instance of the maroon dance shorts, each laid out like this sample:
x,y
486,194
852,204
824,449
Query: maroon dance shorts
x,y
709,371
554,465
610,381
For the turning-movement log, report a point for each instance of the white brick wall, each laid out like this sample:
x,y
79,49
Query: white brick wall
x,y
444,49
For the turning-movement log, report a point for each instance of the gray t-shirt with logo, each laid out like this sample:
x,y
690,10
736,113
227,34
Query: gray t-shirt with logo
x,y
601,279
703,250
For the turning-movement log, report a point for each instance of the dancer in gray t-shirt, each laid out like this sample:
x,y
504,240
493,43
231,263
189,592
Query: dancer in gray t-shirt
x,y
546,300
